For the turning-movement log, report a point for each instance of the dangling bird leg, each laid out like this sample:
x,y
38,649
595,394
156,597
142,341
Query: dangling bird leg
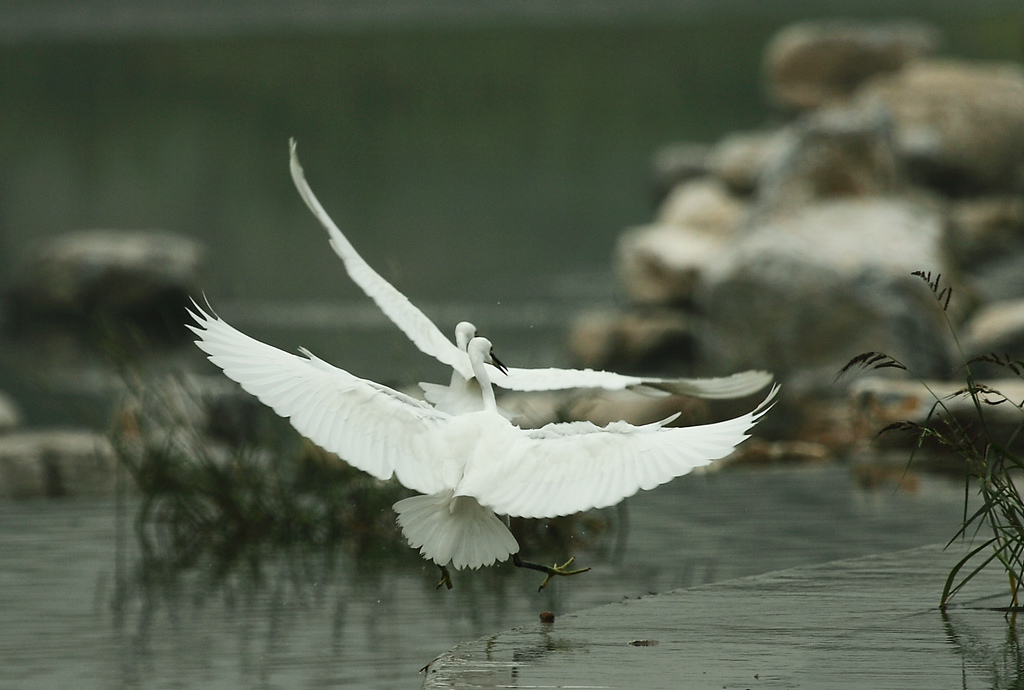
x,y
549,570
446,578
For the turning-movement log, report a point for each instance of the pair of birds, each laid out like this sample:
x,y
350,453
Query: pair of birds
x,y
464,458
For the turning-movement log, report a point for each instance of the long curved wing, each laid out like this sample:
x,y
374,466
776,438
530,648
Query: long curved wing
x,y
431,341
561,469
726,387
372,427
414,323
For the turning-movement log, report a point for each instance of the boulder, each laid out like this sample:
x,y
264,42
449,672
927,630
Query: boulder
x,y
641,340
984,228
56,462
703,204
831,153
112,278
675,163
739,159
662,263
879,401
959,126
996,328
811,64
803,293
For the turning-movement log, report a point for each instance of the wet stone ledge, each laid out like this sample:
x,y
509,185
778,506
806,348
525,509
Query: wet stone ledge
x,y
869,622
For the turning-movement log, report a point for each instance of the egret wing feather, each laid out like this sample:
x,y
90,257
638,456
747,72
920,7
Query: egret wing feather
x,y
372,427
562,469
734,386
396,306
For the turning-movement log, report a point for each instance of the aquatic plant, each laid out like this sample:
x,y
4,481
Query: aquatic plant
x,y
204,500
991,462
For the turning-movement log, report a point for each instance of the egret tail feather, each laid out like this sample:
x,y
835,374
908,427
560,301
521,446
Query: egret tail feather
x,y
456,529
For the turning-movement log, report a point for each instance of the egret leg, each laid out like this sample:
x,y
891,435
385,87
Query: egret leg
x,y
549,570
446,578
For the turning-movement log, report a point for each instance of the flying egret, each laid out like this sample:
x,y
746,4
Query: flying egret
x,y
461,394
467,467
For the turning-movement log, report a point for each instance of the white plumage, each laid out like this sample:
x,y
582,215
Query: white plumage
x,y
461,394
467,466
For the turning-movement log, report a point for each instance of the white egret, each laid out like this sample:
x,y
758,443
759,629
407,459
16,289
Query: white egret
x,y
461,394
467,467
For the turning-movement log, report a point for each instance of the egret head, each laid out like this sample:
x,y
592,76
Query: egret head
x,y
464,332
480,349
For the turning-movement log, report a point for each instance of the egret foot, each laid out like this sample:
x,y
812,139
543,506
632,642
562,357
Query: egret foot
x,y
549,570
446,578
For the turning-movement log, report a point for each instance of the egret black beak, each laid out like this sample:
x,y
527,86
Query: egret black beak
x,y
496,363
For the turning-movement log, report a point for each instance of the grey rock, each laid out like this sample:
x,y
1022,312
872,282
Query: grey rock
x,y
879,401
651,340
815,63
141,278
803,293
959,126
58,462
984,228
829,154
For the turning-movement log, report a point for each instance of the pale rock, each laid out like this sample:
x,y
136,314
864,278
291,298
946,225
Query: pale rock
x,y
812,64
56,462
740,159
703,204
996,328
959,126
662,264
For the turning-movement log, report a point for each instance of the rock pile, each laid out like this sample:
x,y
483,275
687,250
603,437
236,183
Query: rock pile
x,y
791,249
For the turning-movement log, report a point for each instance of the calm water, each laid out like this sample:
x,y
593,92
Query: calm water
x,y
77,612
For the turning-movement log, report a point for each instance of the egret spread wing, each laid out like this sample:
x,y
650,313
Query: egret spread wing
x,y
561,469
396,306
371,426
734,386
